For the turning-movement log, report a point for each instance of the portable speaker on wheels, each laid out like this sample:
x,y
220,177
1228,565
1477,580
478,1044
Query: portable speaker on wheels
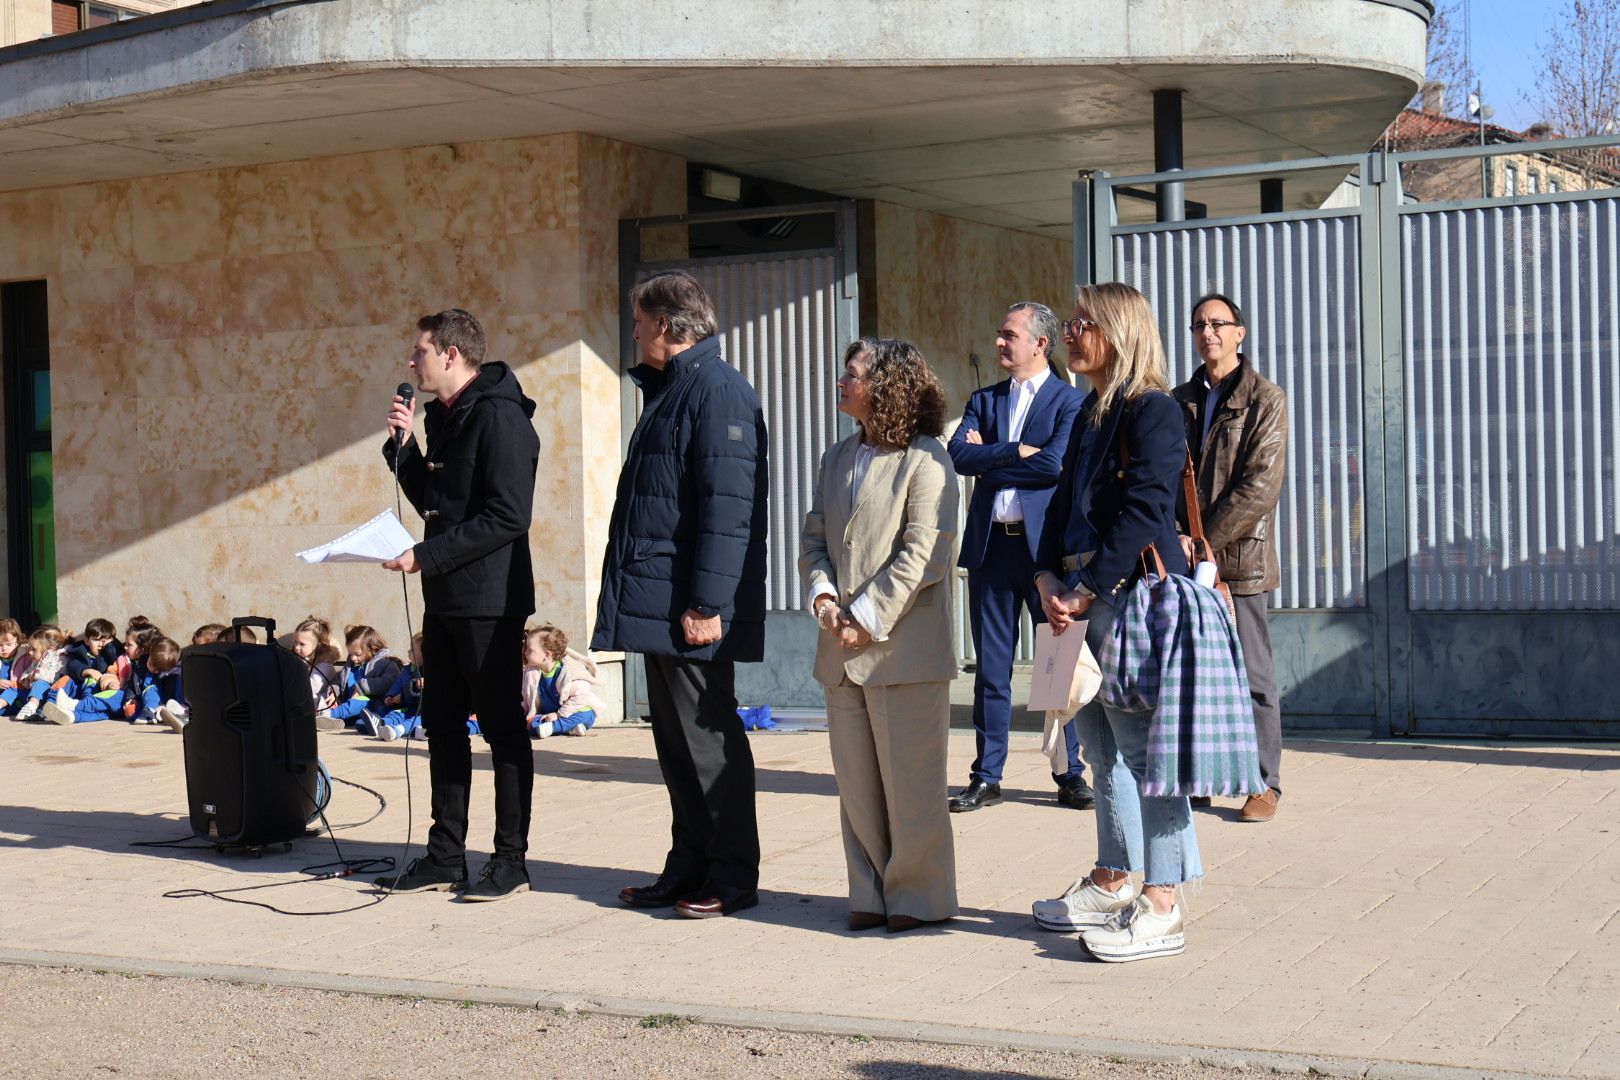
x,y
250,744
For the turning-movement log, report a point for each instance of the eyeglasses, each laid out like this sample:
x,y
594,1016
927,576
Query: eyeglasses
x,y
1217,325
1075,327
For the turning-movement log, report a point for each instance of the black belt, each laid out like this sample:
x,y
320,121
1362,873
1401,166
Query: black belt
x,y
1011,528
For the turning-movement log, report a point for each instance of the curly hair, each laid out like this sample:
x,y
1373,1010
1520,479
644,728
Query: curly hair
x,y
905,395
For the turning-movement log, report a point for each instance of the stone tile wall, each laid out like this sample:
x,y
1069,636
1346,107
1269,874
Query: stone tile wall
x,y
223,344
945,283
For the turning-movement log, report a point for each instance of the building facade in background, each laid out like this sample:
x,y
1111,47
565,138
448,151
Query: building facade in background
x,y
30,20
218,231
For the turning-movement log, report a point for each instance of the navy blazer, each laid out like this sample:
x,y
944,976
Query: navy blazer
x,y
997,465
1115,509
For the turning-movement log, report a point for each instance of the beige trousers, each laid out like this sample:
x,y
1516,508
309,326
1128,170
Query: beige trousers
x,y
888,753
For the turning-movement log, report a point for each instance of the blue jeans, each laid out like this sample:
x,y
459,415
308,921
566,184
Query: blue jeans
x,y
1131,825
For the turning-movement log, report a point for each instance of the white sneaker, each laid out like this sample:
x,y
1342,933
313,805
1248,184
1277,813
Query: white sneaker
x,y
173,716
387,732
61,710
1084,904
1137,933
579,730
544,730
30,707
325,721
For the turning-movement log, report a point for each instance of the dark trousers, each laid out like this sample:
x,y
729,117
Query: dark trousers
x,y
476,665
997,589
708,768
1255,637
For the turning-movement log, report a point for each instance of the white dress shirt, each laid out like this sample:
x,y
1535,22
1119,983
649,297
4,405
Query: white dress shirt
x,y
860,609
1023,396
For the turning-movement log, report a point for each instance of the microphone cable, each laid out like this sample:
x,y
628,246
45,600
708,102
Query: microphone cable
x,y
408,393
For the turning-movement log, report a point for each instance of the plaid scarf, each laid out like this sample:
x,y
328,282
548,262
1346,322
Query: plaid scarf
x,y
1174,652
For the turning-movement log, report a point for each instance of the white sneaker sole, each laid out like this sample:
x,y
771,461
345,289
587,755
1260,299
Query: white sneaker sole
x,y
1089,920
1169,945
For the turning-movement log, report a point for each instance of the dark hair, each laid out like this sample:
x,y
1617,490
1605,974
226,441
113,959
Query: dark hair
x,y
455,329
1237,312
679,299
161,655
99,628
136,624
366,638
906,399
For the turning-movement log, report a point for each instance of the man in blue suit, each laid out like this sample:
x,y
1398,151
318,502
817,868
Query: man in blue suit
x,y
1012,438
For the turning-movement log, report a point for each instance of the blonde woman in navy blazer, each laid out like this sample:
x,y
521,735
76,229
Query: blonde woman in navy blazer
x,y
876,557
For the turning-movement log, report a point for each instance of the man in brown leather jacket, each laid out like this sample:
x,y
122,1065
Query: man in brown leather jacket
x,y
1237,429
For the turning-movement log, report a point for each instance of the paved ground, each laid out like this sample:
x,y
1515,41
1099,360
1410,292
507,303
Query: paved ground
x,y
83,1023
1441,905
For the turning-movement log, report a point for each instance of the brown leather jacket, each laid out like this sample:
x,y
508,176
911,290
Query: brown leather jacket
x,y
1240,475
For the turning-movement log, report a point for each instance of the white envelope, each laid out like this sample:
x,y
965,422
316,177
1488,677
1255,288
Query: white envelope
x,y
1065,675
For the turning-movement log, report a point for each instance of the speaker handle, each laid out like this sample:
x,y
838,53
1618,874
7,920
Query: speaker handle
x,y
268,625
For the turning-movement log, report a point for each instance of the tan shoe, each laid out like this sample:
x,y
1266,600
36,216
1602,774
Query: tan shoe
x,y
1260,807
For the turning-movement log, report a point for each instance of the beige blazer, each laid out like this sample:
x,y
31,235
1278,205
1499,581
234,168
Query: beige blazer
x,y
894,544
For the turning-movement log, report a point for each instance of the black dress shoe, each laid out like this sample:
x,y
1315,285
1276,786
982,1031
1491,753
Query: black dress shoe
x,y
899,924
1077,795
1201,800
711,904
665,892
975,795
424,875
865,920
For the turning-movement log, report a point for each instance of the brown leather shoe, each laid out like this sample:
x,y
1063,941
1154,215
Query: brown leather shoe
x,y
712,905
1262,807
865,920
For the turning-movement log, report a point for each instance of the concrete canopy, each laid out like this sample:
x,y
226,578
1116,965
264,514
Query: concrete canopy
x,y
982,109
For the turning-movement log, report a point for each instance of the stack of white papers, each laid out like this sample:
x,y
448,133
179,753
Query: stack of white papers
x,y
378,540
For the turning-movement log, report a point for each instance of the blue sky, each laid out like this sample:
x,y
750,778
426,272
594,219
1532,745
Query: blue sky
x,y
1507,54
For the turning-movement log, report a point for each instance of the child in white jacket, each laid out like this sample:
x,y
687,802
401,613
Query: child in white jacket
x,y
559,695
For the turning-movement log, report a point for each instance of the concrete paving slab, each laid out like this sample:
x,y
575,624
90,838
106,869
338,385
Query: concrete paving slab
x,y
1413,907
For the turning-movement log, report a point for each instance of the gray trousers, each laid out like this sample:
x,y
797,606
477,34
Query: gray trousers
x,y
1255,637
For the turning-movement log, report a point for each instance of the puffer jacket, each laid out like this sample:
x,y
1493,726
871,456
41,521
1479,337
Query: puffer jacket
x,y
1240,470
689,519
474,487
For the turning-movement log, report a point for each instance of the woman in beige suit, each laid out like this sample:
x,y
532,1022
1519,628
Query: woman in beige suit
x,y
876,555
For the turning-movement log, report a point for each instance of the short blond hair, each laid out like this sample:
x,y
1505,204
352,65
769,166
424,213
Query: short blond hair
x,y
1125,319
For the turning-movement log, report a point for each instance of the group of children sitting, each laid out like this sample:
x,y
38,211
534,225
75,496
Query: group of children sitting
x,y
137,678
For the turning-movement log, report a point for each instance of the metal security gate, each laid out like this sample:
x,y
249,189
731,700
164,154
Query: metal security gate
x,y
784,317
1450,527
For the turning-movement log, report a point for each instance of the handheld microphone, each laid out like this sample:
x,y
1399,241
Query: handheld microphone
x,y
405,393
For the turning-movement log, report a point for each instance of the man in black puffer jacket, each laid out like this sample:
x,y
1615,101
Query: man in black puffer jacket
x,y
474,487
683,583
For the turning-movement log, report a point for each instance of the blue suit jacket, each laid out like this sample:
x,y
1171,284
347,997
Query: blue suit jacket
x,y
1116,509
997,465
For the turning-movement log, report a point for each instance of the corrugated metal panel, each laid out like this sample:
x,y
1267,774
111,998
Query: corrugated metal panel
x,y
777,322
961,621
1513,406
1298,282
